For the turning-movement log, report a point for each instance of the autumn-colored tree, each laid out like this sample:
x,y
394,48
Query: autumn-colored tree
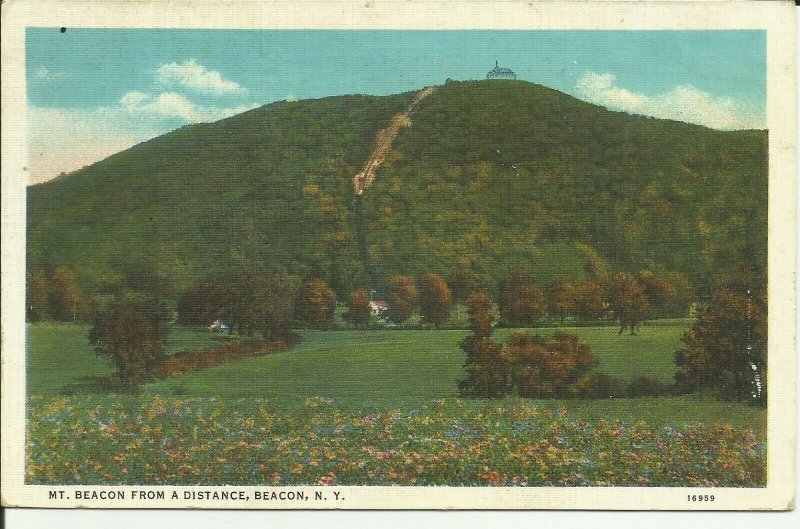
x,y
684,295
561,299
435,300
316,303
548,367
520,301
358,310
726,349
627,301
589,300
402,298
130,333
659,292
37,293
65,294
488,373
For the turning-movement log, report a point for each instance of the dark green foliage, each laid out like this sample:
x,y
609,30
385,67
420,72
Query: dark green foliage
x,y
726,350
508,175
130,332
628,302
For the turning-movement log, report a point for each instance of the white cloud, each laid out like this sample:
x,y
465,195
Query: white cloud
x,y
45,74
171,105
682,103
66,139
194,76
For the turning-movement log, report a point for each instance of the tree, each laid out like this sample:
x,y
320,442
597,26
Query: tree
x,y
548,367
463,279
628,301
402,298
36,295
659,292
684,295
358,310
487,371
201,303
267,304
726,349
435,299
315,304
561,298
130,333
520,301
65,295
589,300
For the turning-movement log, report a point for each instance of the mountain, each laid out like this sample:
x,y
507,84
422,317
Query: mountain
x,y
509,174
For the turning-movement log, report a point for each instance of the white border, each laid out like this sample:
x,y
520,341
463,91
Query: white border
x,y
776,17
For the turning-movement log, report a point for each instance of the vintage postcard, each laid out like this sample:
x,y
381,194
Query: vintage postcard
x,y
398,255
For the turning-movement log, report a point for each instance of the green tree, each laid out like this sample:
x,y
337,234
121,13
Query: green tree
x,y
358,310
488,373
628,301
726,349
402,298
520,301
435,300
201,303
37,293
130,333
315,304
65,295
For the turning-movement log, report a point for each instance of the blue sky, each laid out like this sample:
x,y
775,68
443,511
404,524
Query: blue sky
x,y
94,92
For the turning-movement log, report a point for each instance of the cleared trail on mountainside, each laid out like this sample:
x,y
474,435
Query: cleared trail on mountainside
x,y
383,142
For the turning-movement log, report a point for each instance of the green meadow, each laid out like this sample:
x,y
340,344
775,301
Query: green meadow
x,y
377,369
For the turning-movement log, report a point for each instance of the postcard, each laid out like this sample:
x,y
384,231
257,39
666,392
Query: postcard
x,y
398,255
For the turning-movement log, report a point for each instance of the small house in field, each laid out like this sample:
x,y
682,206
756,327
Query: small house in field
x,y
378,307
219,327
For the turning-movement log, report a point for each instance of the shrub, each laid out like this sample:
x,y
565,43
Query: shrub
x,y
726,349
488,373
548,367
130,333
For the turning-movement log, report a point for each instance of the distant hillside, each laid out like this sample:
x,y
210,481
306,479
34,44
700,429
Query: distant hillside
x,y
509,174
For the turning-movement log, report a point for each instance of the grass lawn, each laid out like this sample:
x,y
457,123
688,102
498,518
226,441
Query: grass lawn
x,y
359,365
60,359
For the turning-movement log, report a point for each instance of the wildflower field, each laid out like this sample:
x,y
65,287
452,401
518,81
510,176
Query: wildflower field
x,y
146,439
390,415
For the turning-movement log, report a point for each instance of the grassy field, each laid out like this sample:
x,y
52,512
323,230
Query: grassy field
x,y
342,364
60,359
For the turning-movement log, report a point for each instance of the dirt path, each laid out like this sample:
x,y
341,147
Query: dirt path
x,y
383,142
